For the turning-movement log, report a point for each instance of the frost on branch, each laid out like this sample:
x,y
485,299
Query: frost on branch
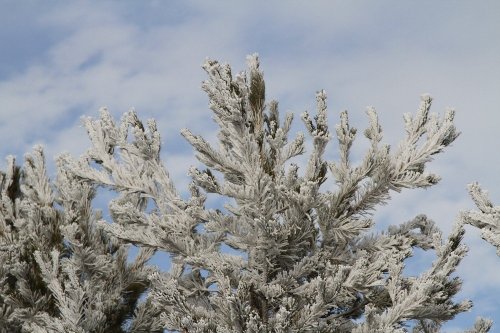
x,y
308,262
59,273
487,218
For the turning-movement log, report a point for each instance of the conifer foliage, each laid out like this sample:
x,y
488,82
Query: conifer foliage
x,y
487,218
58,272
305,259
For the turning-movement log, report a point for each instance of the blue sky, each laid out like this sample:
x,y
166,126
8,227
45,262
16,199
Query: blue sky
x,y
60,60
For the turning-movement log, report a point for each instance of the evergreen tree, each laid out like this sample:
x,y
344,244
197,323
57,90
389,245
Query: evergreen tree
x,y
310,260
59,273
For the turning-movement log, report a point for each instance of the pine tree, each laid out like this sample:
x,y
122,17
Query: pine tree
x,y
309,259
310,264
60,273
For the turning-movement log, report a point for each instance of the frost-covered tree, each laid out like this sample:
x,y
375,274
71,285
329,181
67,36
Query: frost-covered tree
x,y
304,259
310,264
58,272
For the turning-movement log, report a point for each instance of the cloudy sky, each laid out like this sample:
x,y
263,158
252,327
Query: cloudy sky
x,y
60,60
